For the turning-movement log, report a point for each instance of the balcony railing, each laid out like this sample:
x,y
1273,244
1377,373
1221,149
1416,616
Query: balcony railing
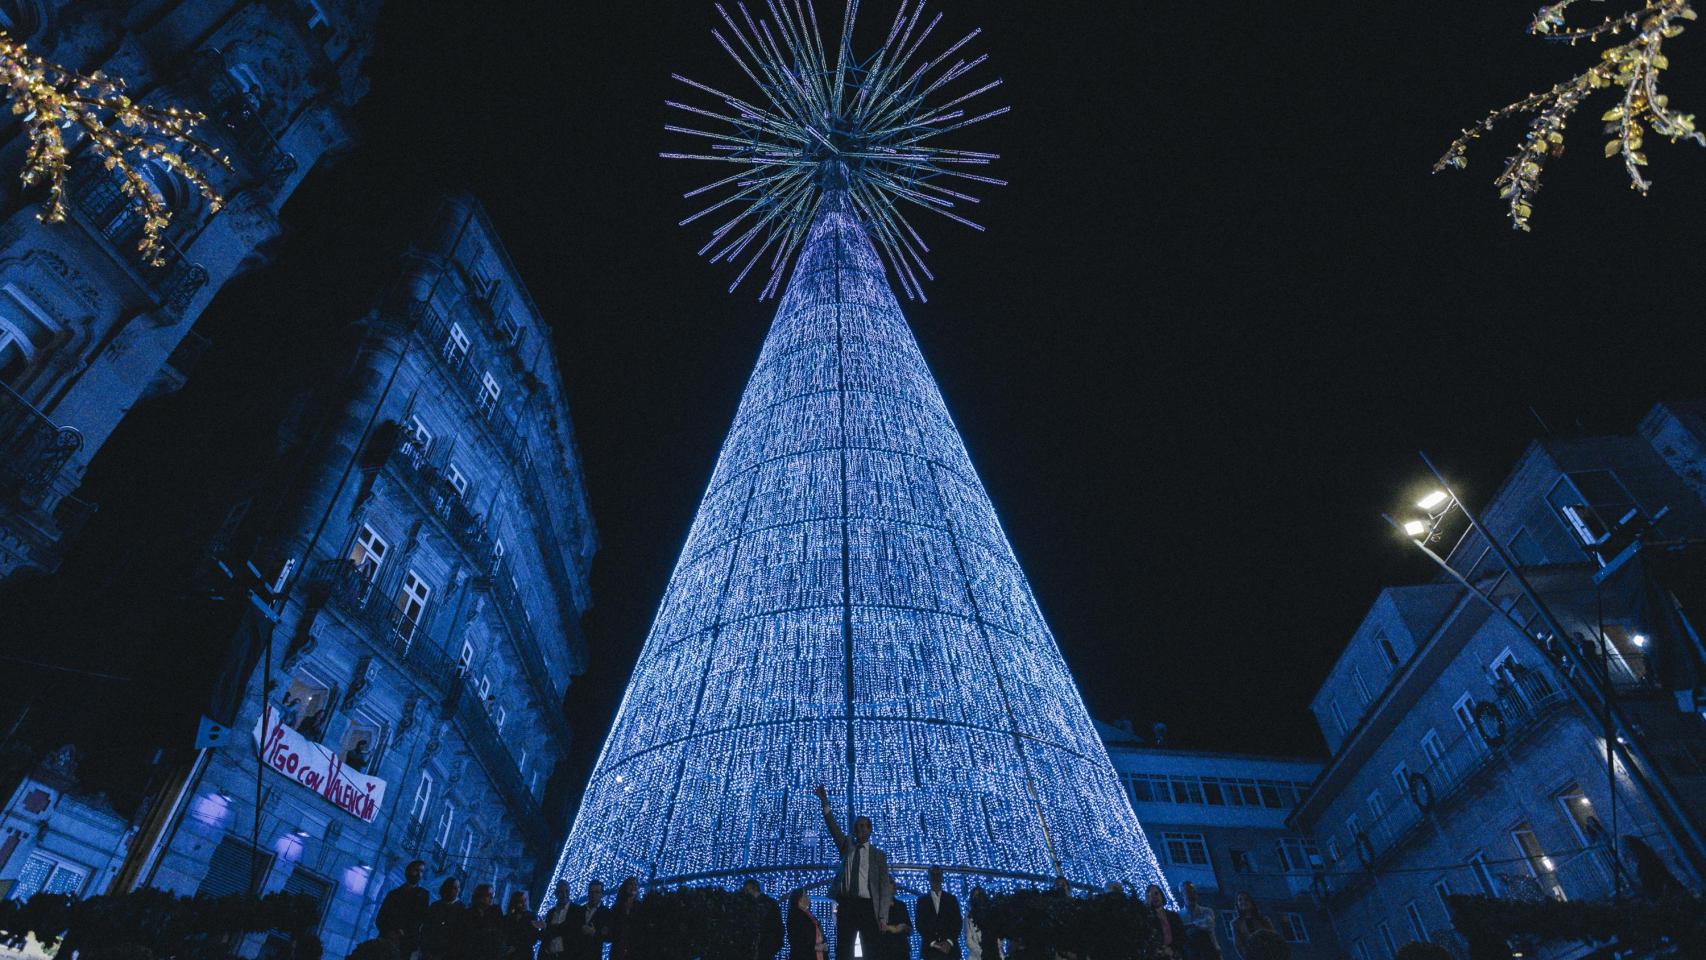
x,y
241,120
98,199
468,375
348,587
1516,712
500,585
34,453
439,497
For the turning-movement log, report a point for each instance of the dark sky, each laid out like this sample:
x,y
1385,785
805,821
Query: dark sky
x,y
1216,313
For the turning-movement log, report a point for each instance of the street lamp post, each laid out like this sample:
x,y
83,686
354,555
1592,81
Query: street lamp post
x,y
1620,738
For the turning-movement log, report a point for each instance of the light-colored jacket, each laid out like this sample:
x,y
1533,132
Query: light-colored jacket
x,y
876,871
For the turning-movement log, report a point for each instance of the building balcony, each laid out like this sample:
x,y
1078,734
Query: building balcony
x,y
241,122
499,585
468,376
35,473
435,495
98,200
1462,764
347,588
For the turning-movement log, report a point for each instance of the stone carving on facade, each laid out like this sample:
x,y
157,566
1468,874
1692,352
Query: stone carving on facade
x,y
406,719
366,671
306,636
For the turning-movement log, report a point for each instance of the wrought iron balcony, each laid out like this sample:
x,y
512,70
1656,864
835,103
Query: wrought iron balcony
x,y
348,587
462,370
1517,712
97,199
34,455
440,498
499,584
240,120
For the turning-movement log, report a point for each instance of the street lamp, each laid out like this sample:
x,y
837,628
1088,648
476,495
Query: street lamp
x,y
1437,506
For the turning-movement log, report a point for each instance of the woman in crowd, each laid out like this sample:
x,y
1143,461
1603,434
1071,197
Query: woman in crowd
x,y
482,936
1172,928
1248,923
976,947
521,929
805,934
620,930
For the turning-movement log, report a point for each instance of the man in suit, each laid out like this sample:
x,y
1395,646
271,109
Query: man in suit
x,y
938,921
770,937
863,890
404,910
587,925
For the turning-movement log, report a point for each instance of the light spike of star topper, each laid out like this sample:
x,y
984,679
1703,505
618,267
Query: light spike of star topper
x,y
865,126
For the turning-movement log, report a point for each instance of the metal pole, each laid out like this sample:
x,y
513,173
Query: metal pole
x,y
1610,733
1634,754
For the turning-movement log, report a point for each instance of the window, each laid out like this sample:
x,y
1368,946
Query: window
x,y
1581,813
1434,750
1296,854
1413,910
1186,849
1362,687
489,392
485,687
467,845
15,353
499,715
1592,504
1539,864
1360,950
1333,853
45,874
445,821
423,798
466,660
368,553
1401,777
303,700
456,346
246,79
533,784
1338,715
1241,862
318,24
1464,709
1386,647
1291,927
1387,939
458,480
418,434
1211,793
411,604
1442,890
360,746
1484,874
1376,806
1187,790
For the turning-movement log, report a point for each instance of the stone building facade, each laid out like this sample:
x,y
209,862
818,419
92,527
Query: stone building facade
x,y
1469,741
56,836
424,542
1218,821
87,329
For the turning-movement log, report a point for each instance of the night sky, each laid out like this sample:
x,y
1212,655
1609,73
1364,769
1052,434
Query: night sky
x,y
1216,313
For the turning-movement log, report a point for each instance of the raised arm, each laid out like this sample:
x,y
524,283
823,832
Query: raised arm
x,y
835,832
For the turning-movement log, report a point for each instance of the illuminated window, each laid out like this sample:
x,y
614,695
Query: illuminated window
x,y
456,346
458,480
368,553
1592,504
489,392
411,604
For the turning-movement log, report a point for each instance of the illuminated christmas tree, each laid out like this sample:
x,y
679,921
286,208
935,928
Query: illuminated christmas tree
x,y
846,609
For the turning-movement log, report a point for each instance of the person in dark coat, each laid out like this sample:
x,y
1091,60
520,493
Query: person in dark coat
x,y
521,929
894,938
1172,927
404,911
444,922
621,918
938,916
805,934
483,928
770,937
588,926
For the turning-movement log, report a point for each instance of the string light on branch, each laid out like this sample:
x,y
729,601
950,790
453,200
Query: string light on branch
x,y
825,120
61,110
1630,68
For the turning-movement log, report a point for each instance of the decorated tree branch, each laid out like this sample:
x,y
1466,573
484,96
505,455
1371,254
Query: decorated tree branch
x,y
61,110
1628,71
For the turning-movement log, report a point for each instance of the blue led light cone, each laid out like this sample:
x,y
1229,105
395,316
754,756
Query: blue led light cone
x,y
847,611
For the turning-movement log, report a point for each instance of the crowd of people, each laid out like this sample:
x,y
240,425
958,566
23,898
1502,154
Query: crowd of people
x,y
868,909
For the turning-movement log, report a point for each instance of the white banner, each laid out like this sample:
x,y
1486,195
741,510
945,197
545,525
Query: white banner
x,y
318,768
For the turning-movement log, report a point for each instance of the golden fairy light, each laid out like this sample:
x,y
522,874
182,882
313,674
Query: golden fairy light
x,y
61,109
1630,68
